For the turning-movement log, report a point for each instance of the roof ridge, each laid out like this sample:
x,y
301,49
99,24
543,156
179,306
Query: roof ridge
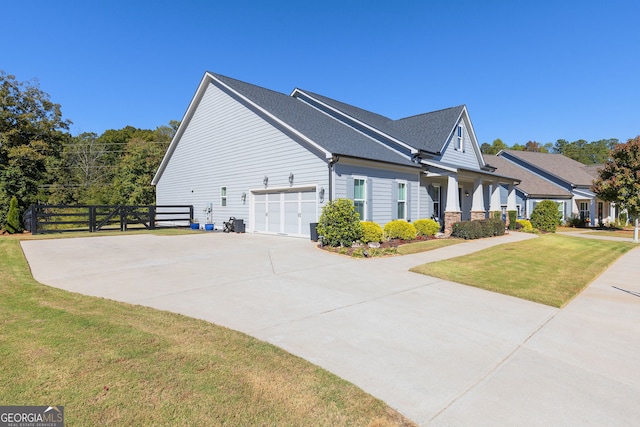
x,y
308,92
242,82
430,112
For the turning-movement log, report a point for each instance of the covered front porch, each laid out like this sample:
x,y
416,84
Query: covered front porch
x,y
466,195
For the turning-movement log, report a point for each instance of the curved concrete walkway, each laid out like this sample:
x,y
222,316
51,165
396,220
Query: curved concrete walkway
x,y
440,352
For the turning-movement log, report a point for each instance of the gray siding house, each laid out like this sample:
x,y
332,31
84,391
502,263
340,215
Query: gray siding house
x,y
275,160
547,176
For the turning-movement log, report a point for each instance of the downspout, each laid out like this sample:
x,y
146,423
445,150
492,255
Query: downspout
x,y
333,161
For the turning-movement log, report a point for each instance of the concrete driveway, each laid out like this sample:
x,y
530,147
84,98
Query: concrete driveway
x,y
439,352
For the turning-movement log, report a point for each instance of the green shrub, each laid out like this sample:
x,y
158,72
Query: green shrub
x,y
13,217
496,215
623,218
339,224
371,232
399,229
525,225
478,229
426,227
545,216
513,217
574,221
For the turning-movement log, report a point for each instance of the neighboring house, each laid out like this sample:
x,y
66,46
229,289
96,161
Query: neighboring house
x,y
546,176
275,160
532,188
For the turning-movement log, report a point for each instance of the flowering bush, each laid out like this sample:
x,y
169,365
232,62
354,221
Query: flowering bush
x,y
426,227
399,229
371,232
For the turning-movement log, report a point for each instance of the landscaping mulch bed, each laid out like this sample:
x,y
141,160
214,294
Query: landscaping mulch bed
x,y
386,248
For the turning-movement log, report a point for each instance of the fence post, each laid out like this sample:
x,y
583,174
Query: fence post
x,y
34,219
92,219
123,218
152,217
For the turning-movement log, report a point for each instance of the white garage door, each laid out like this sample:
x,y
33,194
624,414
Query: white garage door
x,y
285,212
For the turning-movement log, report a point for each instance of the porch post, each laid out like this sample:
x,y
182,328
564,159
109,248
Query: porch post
x,y
511,201
592,212
495,197
478,210
452,213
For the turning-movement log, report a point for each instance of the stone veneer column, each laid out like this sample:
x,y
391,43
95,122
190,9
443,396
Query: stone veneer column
x,y
451,218
478,215
452,212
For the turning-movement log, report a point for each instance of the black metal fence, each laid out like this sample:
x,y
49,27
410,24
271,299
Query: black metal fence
x,y
40,219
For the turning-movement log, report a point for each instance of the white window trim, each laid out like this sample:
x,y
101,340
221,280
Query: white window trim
x,y
364,200
460,138
223,198
406,197
436,212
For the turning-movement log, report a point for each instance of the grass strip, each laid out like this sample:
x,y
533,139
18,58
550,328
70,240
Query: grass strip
x,y
111,363
427,245
551,269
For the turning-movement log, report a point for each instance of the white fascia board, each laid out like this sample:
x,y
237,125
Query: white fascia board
x,y
378,131
584,193
439,166
183,124
472,132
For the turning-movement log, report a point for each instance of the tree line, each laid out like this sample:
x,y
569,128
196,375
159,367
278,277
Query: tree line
x,y
41,162
588,153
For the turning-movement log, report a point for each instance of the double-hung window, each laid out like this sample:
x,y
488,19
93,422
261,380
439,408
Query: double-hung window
x,y
402,200
436,203
585,212
460,139
359,196
223,196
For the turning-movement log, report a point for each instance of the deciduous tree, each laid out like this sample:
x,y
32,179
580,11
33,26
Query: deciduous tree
x,y
619,179
32,131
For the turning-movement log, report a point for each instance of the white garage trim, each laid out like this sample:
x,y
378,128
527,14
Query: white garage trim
x,y
287,211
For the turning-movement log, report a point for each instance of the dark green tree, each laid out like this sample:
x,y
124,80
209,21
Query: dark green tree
x,y
13,224
133,175
494,148
32,132
589,153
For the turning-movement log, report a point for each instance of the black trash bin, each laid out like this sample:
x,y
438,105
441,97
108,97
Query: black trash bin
x,y
314,231
238,225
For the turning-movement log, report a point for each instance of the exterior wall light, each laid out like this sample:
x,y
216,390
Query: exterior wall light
x,y
265,181
321,194
244,197
291,178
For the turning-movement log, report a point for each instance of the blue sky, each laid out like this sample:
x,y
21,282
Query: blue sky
x,y
527,70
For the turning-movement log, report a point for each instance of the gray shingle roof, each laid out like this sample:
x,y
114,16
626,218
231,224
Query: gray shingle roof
x,y
325,131
563,167
593,170
530,183
428,132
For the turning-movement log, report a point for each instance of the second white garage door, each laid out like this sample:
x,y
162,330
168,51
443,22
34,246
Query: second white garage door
x,y
285,212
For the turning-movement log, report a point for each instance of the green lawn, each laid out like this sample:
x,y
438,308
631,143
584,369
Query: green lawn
x,y
427,245
110,363
626,234
551,269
